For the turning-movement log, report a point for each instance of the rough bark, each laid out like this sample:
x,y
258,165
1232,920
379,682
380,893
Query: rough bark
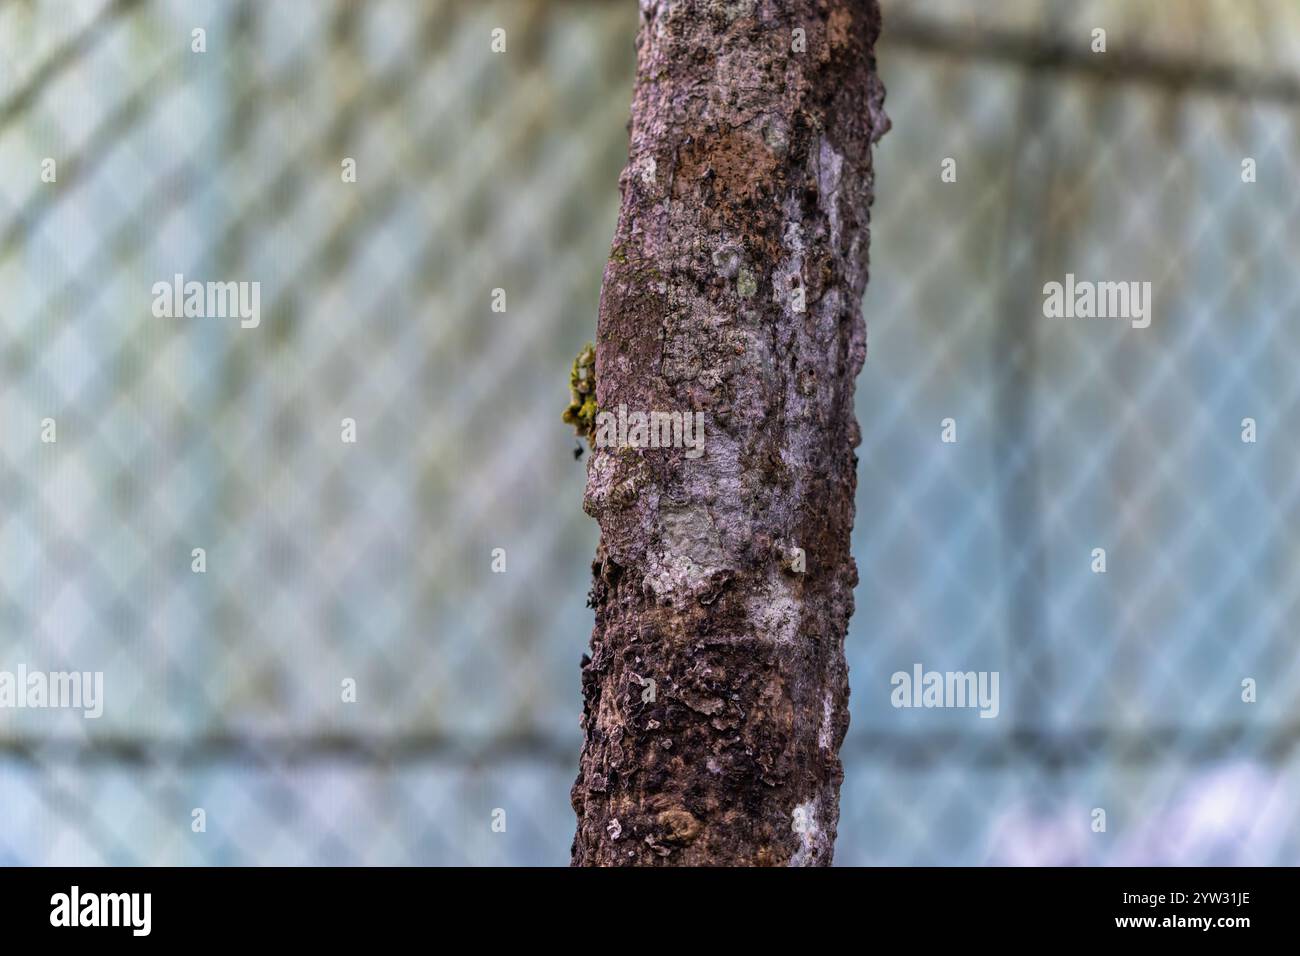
x,y
749,179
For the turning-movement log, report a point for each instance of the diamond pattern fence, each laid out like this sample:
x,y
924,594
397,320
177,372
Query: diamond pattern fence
x,y
329,561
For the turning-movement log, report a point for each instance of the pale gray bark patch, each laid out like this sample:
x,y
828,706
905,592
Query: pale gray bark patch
x,y
749,177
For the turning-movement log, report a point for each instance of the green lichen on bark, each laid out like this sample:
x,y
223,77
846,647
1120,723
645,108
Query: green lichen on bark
x,y
581,413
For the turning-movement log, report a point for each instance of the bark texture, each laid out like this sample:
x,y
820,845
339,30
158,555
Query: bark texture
x,y
747,190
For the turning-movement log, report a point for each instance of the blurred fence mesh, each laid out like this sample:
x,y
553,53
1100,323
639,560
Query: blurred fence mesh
x,y
372,561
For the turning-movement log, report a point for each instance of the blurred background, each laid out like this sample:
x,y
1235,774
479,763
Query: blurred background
x,y
373,561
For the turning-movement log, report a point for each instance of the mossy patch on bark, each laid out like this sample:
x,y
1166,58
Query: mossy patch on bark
x,y
581,413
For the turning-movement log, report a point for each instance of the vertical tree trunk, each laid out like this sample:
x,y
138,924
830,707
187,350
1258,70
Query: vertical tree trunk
x,y
716,694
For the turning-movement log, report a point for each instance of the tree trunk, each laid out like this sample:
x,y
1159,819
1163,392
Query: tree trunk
x,y
716,694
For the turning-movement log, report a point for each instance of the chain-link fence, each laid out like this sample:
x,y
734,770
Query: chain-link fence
x,y
182,510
